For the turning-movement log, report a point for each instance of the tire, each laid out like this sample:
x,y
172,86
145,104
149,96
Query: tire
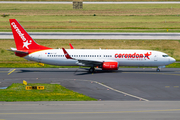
x,y
157,70
91,70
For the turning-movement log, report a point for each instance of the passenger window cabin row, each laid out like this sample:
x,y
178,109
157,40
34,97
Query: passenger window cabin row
x,y
79,55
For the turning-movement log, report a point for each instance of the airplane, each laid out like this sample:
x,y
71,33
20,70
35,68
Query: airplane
x,y
105,59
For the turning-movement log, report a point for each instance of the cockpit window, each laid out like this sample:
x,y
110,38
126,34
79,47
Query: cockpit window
x,y
165,55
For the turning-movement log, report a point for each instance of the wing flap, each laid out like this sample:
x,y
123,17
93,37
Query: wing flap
x,y
89,62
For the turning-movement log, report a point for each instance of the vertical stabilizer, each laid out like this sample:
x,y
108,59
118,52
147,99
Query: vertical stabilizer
x,y
22,39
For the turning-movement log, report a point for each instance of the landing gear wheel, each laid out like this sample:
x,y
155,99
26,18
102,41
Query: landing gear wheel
x,y
91,70
157,70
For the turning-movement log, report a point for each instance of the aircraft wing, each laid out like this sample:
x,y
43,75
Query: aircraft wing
x,y
83,62
89,62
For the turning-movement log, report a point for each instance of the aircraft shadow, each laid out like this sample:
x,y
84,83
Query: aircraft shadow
x,y
86,71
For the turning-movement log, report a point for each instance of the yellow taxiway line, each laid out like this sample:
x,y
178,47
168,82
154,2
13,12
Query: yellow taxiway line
x,y
11,71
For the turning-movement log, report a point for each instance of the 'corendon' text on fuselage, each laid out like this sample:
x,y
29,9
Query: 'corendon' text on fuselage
x,y
135,55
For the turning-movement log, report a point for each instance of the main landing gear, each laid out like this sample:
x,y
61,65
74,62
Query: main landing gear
x,y
91,70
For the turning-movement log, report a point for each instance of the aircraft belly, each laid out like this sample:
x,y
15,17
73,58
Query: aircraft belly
x,y
60,62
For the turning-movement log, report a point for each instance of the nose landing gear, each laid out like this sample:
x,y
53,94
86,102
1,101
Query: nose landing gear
x,y
157,70
159,67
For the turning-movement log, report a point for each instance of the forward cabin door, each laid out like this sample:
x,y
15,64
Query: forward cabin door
x,y
39,57
155,58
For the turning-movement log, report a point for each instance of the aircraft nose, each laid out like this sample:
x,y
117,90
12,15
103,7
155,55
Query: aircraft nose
x,y
172,60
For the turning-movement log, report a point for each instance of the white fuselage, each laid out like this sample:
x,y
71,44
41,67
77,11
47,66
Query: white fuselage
x,y
123,57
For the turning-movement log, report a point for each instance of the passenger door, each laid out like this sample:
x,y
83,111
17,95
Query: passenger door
x,y
155,58
39,58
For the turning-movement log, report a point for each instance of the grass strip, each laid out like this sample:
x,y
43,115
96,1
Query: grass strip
x,y
91,22
99,30
31,65
60,17
52,92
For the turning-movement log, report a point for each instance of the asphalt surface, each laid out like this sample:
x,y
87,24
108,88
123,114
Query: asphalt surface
x,y
100,110
99,35
127,94
130,84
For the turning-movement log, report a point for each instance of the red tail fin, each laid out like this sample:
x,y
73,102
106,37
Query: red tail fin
x,y
22,39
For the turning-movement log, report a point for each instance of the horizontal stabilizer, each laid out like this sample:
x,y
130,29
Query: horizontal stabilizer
x,y
18,51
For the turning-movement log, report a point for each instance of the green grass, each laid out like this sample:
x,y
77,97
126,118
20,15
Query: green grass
x,y
109,17
96,30
97,22
52,92
173,65
31,65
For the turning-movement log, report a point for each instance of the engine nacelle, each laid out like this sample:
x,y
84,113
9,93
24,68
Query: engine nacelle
x,y
110,66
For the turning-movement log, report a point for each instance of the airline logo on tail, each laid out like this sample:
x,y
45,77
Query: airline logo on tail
x,y
25,44
21,35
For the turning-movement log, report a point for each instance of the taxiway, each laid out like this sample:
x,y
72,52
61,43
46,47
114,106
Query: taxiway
x,y
90,110
99,35
129,94
126,84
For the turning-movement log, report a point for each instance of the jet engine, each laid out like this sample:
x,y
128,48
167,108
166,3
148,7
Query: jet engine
x,y
110,66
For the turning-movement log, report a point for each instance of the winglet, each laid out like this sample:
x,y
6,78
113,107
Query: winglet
x,y
71,46
66,54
